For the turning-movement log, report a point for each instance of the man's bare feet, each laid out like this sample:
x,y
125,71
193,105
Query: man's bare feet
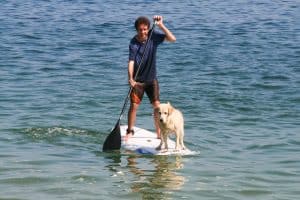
x,y
129,134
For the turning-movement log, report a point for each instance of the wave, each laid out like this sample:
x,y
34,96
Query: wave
x,y
63,136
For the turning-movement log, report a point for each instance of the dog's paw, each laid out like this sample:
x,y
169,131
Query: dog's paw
x,y
163,151
158,148
178,150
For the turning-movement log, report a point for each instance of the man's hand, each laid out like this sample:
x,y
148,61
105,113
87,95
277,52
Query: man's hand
x,y
132,82
158,20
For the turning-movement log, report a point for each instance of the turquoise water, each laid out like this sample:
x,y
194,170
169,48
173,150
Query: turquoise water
x,y
234,72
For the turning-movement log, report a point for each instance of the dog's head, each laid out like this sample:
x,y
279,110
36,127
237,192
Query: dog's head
x,y
164,110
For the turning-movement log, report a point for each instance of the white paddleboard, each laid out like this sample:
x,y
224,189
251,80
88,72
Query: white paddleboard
x,y
145,142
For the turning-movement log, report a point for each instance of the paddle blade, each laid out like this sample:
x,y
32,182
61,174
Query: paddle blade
x,y
113,140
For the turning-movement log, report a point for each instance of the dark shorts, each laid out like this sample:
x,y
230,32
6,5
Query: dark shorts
x,y
151,89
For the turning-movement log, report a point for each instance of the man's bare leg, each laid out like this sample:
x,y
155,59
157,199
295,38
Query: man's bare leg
x,y
131,119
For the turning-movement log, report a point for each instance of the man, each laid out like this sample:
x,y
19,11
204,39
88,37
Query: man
x,y
145,80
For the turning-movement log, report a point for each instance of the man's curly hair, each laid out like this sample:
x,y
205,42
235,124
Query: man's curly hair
x,y
141,20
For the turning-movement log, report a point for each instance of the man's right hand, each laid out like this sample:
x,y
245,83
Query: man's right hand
x,y
132,82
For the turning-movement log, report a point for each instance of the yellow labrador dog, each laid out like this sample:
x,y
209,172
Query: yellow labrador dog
x,y
170,121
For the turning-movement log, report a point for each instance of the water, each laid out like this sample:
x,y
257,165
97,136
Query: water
x,y
234,73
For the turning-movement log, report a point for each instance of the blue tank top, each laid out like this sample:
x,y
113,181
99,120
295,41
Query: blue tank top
x,y
147,71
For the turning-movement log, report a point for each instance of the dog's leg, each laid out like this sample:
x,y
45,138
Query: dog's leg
x,y
178,137
181,139
181,135
158,148
166,141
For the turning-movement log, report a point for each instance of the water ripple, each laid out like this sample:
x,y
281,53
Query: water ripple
x,y
233,72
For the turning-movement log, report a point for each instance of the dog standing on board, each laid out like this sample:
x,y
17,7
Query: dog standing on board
x,y
170,121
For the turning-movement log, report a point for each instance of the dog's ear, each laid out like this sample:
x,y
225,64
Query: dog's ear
x,y
170,108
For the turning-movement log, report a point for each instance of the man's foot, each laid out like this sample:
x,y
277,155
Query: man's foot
x,y
158,136
129,134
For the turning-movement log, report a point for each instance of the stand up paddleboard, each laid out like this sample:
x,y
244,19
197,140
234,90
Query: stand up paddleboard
x,y
145,142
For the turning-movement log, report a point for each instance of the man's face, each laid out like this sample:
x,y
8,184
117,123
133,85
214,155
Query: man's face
x,y
143,32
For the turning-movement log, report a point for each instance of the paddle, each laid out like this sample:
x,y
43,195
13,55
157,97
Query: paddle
x,y
113,140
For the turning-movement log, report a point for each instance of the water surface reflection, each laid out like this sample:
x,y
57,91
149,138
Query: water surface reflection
x,y
149,177
155,177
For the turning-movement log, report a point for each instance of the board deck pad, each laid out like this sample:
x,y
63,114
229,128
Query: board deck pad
x,y
145,142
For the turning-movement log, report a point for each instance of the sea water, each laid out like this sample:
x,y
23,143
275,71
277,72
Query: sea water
x,y
234,72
